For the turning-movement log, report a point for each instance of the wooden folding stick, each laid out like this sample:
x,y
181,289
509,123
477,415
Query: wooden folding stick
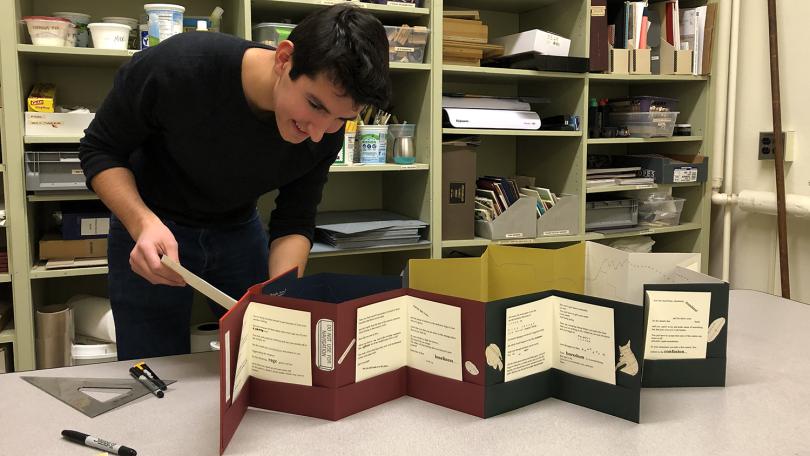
x,y
199,284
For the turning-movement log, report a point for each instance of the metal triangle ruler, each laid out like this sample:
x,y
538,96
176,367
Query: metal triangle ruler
x,y
67,390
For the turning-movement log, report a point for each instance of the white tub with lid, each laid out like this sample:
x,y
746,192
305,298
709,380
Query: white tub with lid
x,y
107,35
165,21
47,30
134,40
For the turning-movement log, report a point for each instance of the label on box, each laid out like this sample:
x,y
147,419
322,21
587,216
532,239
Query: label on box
x,y
598,11
408,4
456,193
557,233
403,49
514,235
76,172
685,175
325,344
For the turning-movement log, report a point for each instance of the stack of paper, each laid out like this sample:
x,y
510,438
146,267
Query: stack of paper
x,y
370,228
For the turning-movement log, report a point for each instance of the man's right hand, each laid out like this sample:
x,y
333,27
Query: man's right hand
x,y
153,241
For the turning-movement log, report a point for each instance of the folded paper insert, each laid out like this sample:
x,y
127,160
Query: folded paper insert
x,y
462,336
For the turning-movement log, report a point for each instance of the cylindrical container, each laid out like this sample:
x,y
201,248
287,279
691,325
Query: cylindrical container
x,y
80,20
165,20
202,335
88,351
371,141
400,143
54,336
47,31
134,39
349,141
143,32
107,35
92,316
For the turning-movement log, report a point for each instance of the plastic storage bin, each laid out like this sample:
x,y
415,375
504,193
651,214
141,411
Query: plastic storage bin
x,y
609,214
271,33
53,170
660,212
644,124
407,44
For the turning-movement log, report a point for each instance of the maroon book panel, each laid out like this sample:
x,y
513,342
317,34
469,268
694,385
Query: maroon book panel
x,y
462,396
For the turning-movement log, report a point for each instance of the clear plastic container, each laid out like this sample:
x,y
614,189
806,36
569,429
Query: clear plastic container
x,y
608,214
81,35
272,33
660,212
407,44
643,104
645,124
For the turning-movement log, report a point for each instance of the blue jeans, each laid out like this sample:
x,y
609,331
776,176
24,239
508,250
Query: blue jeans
x,y
153,320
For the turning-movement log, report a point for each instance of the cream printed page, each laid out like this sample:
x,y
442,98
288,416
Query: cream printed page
x,y
280,344
677,325
434,337
585,340
529,338
381,334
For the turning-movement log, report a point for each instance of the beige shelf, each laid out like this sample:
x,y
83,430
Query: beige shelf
x,y
54,139
78,195
460,73
400,67
296,9
73,56
359,168
8,335
2,168
39,272
422,245
483,242
488,132
643,232
645,78
645,140
620,188
509,6
5,278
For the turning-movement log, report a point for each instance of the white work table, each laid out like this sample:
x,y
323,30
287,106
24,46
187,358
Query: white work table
x,y
764,409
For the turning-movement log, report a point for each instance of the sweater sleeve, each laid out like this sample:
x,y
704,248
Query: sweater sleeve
x,y
297,202
125,119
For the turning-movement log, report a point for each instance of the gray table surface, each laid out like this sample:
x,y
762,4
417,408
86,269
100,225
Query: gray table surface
x,y
762,410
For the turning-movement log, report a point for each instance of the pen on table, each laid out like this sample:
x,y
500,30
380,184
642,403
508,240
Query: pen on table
x,y
138,374
95,442
152,375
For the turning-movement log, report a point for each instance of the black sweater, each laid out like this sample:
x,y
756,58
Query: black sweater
x,y
178,118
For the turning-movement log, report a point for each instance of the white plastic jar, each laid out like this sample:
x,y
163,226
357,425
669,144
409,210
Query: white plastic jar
x,y
107,35
165,21
47,30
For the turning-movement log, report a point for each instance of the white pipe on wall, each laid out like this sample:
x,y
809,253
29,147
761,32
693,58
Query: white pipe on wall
x,y
728,177
764,202
721,94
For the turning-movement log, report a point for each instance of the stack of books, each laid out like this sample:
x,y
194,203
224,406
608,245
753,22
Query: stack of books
x,y
602,177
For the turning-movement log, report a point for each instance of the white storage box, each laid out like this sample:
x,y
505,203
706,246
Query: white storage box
x,y
57,123
536,40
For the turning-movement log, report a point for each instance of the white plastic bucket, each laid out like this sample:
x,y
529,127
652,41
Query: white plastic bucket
x,y
88,352
109,36
134,41
371,142
48,31
165,20
80,35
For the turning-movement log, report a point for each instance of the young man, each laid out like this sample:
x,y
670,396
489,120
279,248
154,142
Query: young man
x,y
193,132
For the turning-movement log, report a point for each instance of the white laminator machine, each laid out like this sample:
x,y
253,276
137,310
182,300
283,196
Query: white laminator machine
x,y
489,112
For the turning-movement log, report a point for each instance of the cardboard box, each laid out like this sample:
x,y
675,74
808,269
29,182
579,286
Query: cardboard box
x,y
534,40
6,359
41,98
458,193
53,248
668,169
57,123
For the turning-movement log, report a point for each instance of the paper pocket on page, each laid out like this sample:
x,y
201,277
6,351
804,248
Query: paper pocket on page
x,y
325,348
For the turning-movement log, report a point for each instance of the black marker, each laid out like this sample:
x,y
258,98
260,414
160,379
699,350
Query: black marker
x,y
138,374
152,375
101,444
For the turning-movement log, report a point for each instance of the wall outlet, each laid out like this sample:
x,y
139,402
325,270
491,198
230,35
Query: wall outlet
x,y
766,149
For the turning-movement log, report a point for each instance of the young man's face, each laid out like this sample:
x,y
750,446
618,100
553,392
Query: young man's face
x,y
309,108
